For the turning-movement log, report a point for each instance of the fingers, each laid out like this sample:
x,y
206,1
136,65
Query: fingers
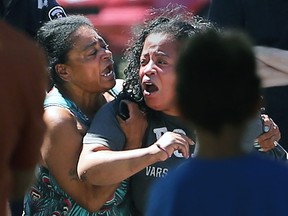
x,y
132,113
183,145
267,123
171,142
184,137
134,109
266,141
270,128
265,145
186,142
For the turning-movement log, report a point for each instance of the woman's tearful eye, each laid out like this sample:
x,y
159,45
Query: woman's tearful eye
x,y
93,53
162,62
142,62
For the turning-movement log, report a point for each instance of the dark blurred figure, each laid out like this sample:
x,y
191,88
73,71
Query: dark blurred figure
x,y
265,21
223,178
29,15
23,69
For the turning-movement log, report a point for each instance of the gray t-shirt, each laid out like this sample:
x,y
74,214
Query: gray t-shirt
x,y
106,130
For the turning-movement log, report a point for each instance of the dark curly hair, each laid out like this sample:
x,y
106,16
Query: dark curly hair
x,y
173,20
56,37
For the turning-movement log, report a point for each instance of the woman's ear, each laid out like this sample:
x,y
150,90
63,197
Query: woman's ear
x,y
63,71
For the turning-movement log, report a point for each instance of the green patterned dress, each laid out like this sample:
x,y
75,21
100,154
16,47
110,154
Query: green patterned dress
x,y
46,198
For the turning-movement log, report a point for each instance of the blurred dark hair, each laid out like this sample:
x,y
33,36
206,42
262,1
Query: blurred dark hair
x,y
173,20
56,37
217,80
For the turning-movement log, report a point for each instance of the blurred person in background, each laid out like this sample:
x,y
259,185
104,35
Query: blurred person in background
x,y
223,178
29,15
23,82
253,17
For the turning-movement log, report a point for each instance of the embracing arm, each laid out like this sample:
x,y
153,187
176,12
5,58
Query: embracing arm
x,y
60,152
103,160
103,166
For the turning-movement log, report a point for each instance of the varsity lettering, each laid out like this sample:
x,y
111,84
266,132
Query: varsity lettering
x,y
159,132
156,171
180,131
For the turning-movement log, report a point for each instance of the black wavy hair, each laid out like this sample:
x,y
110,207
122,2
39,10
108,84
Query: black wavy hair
x,y
173,20
56,37
217,82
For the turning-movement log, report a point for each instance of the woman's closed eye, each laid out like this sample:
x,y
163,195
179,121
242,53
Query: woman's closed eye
x,y
92,52
162,62
143,62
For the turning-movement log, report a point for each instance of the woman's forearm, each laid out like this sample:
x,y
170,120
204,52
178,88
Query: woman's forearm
x,y
105,167
100,166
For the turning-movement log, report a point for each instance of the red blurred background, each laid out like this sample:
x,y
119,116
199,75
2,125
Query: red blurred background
x,y
114,18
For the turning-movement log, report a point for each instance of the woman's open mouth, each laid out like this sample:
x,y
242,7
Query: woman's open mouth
x,y
149,88
108,71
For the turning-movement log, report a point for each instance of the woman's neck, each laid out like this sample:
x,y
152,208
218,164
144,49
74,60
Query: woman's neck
x,y
88,103
172,112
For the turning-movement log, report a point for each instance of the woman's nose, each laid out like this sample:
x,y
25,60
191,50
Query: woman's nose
x,y
107,54
150,68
